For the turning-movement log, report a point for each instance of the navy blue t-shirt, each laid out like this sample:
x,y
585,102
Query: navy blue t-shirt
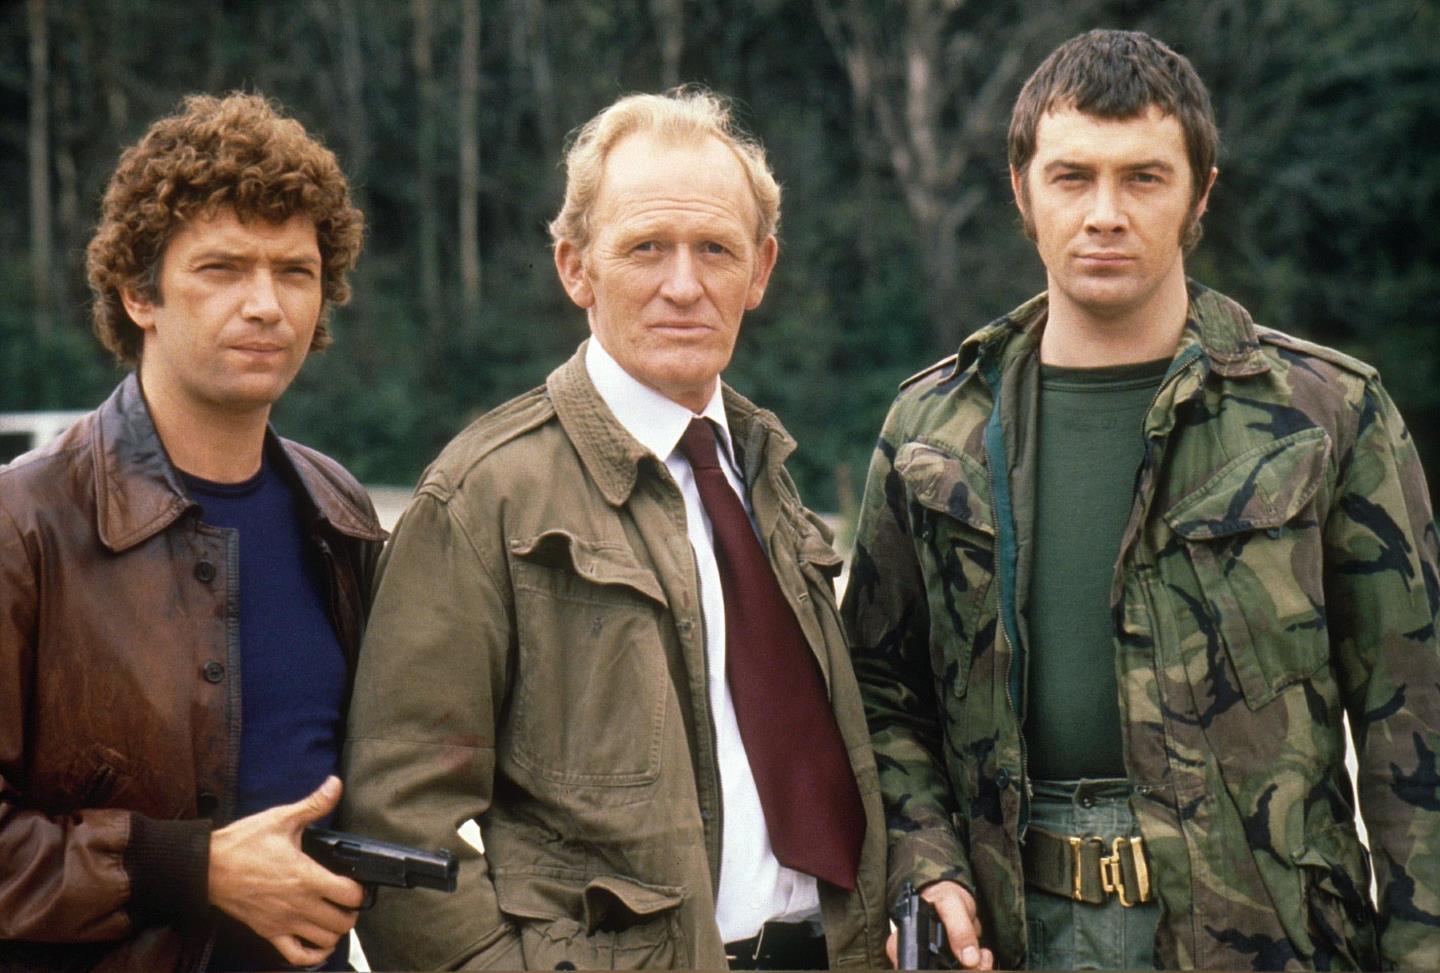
x,y
292,668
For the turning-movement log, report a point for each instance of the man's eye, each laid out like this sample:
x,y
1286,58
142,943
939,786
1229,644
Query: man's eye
x,y
302,273
648,246
712,247
1148,178
1071,177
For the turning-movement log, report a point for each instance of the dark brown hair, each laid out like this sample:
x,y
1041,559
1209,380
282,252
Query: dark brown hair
x,y
240,153
1119,74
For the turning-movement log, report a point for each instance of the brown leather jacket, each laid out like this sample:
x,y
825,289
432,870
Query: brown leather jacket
x,y
120,689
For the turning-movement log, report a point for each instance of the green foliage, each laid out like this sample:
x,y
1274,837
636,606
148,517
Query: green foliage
x,y
63,369
1324,221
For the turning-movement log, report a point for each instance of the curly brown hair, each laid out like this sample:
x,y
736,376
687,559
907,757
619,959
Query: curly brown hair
x,y
239,153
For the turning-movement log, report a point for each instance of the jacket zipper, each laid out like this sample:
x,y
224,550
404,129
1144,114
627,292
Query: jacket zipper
x,y
995,449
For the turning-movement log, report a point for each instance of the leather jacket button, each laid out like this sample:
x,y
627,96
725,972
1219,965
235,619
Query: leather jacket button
x,y
1002,779
212,671
205,571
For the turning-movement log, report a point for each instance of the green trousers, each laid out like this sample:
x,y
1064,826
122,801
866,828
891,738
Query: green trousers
x,y
1069,935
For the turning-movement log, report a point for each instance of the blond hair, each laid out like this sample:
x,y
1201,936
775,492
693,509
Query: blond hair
x,y
686,114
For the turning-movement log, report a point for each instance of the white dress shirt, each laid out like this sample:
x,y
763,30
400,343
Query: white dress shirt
x,y
754,887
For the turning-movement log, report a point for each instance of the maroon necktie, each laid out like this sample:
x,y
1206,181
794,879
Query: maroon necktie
x,y
807,788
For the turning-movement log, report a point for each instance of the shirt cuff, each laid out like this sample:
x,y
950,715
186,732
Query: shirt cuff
x,y
169,867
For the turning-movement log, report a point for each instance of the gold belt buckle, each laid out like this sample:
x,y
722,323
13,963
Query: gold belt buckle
x,y
1112,875
1076,869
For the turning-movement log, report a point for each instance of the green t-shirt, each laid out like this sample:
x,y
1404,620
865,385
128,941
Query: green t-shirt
x,y
1090,448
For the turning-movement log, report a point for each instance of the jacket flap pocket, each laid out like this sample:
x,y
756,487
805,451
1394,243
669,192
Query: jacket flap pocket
x,y
814,550
614,902
597,562
1263,487
956,486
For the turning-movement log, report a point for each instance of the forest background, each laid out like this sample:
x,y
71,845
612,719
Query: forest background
x,y
885,122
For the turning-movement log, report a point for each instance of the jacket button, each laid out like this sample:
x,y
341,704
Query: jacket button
x,y
205,571
212,671
206,804
1002,779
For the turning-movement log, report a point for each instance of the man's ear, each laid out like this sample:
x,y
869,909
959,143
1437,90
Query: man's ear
x,y
140,309
765,258
1022,199
1204,201
570,265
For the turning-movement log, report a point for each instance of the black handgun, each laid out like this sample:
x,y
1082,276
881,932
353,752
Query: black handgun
x,y
373,863
920,940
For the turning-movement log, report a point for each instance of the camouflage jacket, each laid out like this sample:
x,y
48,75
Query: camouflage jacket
x,y
1278,572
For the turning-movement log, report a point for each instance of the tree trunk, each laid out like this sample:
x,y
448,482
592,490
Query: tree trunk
x,y
669,19
469,208
933,89
428,221
357,122
530,60
40,230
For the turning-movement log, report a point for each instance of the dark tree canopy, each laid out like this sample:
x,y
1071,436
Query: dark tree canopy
x,y
884,121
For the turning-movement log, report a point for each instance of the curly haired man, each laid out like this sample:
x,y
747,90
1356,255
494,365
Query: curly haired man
x,y
182,592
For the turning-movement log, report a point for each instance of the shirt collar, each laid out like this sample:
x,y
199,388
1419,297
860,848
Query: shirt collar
x,y
655,421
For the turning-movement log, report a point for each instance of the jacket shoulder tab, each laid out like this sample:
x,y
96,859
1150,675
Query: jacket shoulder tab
x,y
1227,332
1299,346
935,370
501,425
338,495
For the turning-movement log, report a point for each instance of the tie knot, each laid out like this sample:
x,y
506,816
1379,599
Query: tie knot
x,y
698,445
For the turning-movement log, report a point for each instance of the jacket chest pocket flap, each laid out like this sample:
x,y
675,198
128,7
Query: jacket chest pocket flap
x,y
1258,560
955,537
591,682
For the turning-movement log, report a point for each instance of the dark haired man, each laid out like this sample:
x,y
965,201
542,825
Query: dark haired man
x,y
182,592
1124,564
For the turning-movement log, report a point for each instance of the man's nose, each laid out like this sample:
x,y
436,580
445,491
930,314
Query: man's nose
x,y
1107,214
262,301
682,277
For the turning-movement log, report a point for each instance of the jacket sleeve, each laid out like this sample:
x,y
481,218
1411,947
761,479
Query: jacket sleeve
x,y
84,874
420,756
1383,591
887,623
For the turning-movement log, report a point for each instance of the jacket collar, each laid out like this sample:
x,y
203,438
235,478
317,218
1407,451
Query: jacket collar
x,y
139,493
1222,330
612,456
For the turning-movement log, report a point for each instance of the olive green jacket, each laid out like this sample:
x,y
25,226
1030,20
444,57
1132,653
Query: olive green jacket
x,y
535,661
1278,573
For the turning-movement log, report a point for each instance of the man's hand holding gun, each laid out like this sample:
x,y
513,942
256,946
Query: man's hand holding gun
x,y
934,927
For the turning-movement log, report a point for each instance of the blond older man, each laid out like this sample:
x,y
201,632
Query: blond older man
x,y
606,630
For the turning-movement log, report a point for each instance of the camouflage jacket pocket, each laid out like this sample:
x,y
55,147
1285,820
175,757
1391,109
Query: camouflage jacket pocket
x,y
1253,541
587,617
954,535
1335,894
